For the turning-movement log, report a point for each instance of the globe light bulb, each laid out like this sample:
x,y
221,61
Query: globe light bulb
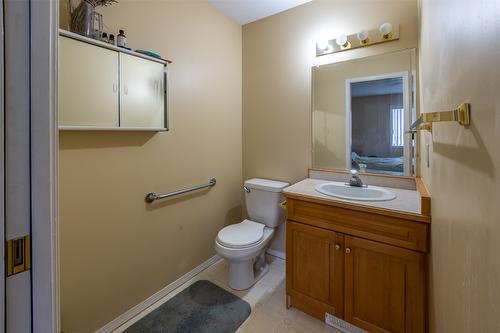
x,y
385,29
362,35
341,40
323,45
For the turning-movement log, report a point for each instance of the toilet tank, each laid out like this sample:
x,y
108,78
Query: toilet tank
x,y
262,197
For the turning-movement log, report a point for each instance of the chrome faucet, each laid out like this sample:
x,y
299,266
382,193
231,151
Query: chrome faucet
x,y
355,180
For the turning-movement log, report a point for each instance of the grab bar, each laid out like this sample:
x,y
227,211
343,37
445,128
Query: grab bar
x,y
152,196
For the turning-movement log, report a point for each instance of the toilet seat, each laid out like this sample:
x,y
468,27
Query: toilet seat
x,y
241,235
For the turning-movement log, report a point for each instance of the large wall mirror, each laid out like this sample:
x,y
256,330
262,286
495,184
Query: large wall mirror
x,y
361,113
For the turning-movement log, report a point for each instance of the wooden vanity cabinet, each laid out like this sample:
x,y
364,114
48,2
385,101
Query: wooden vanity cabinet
x,y
384,287
334,265
315,270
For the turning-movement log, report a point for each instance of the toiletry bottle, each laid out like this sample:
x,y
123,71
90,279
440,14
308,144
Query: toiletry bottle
x,y
112,39
122,39
104,37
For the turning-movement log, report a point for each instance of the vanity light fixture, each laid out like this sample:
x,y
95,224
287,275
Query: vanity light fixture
x,y
343,42
385,29
323,45
386,32
363,36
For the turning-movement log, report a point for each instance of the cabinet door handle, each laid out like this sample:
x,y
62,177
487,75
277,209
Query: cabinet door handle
x,y
115,87
347,250
125,89
337,247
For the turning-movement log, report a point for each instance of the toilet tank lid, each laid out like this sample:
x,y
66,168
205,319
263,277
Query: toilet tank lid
x,y
266,184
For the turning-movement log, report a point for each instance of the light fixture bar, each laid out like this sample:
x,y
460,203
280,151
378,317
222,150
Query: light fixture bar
x,y
374,36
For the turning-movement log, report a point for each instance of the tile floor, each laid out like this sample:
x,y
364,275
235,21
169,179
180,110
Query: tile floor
x,y
266,297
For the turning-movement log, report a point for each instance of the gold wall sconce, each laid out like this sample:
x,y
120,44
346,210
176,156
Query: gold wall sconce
x,y
385,33
461,115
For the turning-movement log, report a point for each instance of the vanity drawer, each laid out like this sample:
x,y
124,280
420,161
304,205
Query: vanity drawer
x,y
382,228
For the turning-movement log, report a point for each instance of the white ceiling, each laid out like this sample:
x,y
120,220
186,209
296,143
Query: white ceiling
x,y
246,11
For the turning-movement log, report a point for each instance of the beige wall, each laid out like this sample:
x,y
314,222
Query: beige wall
x,y
460,62
278,53
115,250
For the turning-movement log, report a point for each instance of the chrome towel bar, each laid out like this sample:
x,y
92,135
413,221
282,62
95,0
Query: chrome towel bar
x,y
152,196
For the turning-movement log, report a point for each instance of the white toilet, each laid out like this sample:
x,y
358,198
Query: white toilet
x,y
244,244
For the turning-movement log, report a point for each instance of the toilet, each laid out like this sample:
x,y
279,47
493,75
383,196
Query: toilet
x,y
244,244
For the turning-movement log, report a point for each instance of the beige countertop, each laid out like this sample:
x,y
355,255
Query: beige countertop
x,y
406,201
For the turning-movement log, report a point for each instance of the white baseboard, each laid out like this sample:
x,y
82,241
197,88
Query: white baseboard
x,y
122,319
276,253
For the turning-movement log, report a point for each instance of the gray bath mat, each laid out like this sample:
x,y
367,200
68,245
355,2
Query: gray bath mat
x,y
201,307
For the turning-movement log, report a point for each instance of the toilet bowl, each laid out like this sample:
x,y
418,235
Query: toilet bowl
x,y
244,244
246,258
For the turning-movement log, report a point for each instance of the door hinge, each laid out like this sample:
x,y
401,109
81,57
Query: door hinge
x,y
18,255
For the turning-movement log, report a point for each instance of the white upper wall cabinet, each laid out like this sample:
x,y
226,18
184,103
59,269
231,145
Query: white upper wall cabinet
x,y
88,85
142,97
103,87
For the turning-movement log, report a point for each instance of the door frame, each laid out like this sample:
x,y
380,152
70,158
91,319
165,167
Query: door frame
x,y
407,114
2,168
44,22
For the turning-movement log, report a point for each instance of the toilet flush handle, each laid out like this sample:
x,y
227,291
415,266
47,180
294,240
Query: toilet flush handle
x,y
282,205
246,189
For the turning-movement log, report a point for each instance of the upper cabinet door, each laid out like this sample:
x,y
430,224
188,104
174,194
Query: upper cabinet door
x,y
88,85
384,287
142,102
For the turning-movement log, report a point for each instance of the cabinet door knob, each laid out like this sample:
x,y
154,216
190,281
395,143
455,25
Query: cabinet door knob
x,y
347,250
337,247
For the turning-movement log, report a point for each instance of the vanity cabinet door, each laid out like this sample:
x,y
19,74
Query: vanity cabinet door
x,y
315,262
384,287
88,85
142,101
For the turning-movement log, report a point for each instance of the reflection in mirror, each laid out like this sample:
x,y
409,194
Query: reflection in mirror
x,y
362,110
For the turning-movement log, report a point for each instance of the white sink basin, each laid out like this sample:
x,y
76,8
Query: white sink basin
x,y
343,191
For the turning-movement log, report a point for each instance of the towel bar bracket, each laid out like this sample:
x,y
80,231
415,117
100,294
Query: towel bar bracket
x,y
460,115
